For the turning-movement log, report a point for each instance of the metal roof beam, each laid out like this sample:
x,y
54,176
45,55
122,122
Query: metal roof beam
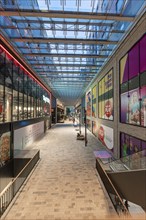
x,y
72,49
65,55
65,15
62,40
58,29
64,65
66,72
68,77
70,81
63,22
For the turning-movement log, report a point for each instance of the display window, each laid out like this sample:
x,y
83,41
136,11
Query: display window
x,y
21,95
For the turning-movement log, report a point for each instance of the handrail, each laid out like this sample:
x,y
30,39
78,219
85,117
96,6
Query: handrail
x,y
122,158
12,188
125,210
5,189
14,179
127,171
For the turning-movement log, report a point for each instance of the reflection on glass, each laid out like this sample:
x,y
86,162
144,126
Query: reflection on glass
x,y
25,107
8,104
21,112
15,105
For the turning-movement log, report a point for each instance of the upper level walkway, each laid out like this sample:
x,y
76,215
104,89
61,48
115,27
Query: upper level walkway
x,y
64,184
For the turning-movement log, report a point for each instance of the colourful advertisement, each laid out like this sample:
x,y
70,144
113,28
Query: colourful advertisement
x,y
94,102
143,106
130,145
124,108
99,88
108,109
133,58
124,69
134,107
5,147
105,136
105,103
143,54
88,103
133,88
94,128
108,81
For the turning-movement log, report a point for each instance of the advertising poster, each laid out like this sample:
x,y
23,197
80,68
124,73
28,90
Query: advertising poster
x,y
134,107
134,145
133,57
88,103
5,147
108,109
108,82
124,69
143,54
143,145
94,102
124,108
99,110
124,144
94,128
105,136
105,104
130,145
102,86
99,88
143,106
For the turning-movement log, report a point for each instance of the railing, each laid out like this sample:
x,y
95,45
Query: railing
x,y
12,188
112,192
132,162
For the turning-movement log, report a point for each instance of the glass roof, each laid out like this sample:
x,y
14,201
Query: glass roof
x,y
67,42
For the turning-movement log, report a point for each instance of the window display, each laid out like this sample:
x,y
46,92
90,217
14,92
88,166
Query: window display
x,y
21,94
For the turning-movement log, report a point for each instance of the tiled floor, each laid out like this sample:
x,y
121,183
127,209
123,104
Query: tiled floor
x,y
64,185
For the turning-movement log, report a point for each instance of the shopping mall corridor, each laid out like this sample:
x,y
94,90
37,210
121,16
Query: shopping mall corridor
x,y
64,184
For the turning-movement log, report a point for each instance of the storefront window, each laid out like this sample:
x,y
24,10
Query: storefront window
x,y
15,92
8,104
21,97
2,71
